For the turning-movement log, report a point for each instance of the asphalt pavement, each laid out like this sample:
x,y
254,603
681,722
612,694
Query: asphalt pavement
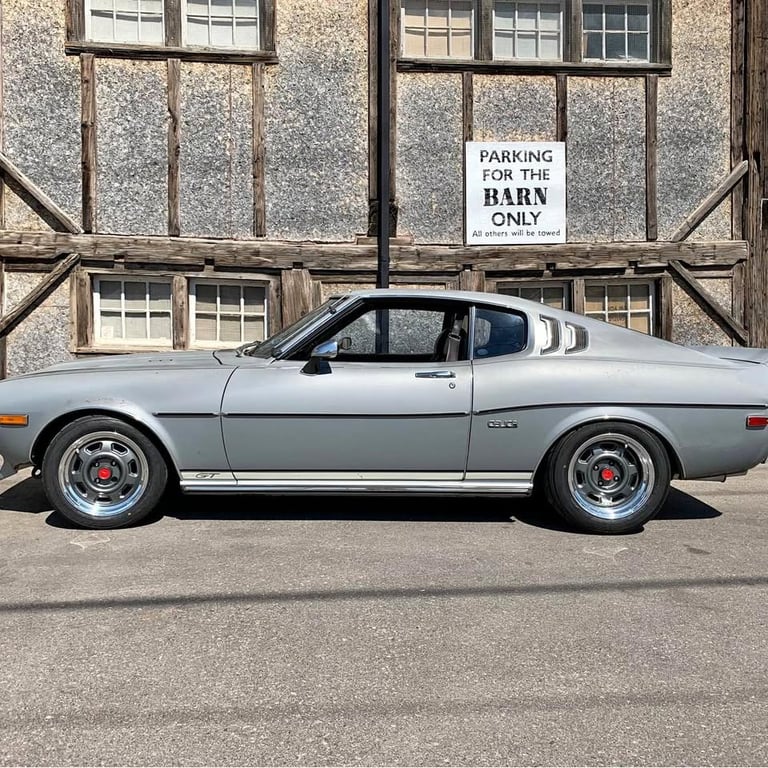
x,y
347,631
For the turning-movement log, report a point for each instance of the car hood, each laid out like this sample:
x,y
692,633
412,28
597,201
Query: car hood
x,y
137,361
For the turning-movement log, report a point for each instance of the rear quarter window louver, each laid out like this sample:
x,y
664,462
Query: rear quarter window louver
x,y
552,343
577,338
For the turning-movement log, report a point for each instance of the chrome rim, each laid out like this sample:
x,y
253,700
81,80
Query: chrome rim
x,y
103,474
611,476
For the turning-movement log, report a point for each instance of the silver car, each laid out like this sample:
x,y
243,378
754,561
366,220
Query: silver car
x,y
398,392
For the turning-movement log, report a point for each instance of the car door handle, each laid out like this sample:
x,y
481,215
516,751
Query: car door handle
x,y
435,375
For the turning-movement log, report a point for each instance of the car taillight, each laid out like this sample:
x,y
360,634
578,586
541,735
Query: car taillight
x,y
757,422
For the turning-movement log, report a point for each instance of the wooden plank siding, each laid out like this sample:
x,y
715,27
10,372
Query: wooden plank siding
x,y
651,157
88,157
259,152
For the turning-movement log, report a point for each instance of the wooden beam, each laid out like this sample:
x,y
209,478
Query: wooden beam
x,y
75,20
88,150
467,132
651,157
36,247
38,294
174,147
561,107
81,301
756,190
497,67
373,99
3,339
297,294
172,11
693,219
259,153
709,303
471,280
138,51
738,146
573,43
41,203
666,300
484,39
180,314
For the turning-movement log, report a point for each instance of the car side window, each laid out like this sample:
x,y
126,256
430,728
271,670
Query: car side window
x,y
498,332
408,332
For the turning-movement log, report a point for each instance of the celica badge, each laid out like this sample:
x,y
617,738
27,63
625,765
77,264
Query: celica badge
x,y
502,424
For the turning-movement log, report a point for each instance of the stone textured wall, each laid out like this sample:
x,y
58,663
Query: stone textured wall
x,y
132,139
694,117
692,326
44,337
41,106
316,113
429,157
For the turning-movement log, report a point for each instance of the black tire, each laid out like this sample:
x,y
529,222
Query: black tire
x,y
101,472
609,477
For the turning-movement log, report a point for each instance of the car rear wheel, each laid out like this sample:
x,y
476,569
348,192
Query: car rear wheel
x,y
608,478
101,472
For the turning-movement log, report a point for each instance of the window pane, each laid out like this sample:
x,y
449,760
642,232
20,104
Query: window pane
x,y
246,9
617,319
461,16
461,44
160,326
413,13
135,295
254,299
129,6
617,297
593,298
414,43
614,45
638,46
640,323
504,16
110,292
639,297
614,17
102,5
254,329
550,18
151,7
526,16
221,32
526,45
205,327
593,45
503,45
102,26
437,13
247,34
135,325
111,325
229,300
549,47
159,296
593,17
151,29
205,297
221,8
229,329
197,7
553,297
637,18
197,31
126,28
437,44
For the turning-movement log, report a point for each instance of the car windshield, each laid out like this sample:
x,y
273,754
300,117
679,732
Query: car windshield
x,y
268,347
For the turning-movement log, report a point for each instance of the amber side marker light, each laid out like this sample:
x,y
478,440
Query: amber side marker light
x,y
14,419
757,422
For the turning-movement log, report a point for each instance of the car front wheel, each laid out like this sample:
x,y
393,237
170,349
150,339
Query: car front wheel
x,y
101,472
608,478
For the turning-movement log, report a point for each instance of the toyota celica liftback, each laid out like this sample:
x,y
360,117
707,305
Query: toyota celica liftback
x,y
399,392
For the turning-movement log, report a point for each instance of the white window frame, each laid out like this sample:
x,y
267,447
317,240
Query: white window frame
x,y
515,32
89,24
154,342
425,28
185,27
194,342
647,4
628,313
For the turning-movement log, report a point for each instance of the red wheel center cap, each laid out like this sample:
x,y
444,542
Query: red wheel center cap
x,y
104,473
607,475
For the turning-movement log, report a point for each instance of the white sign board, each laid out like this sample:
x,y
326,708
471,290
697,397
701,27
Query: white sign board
x,y
515,192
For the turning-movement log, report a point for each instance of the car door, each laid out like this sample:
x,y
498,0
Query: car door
x,y
395,413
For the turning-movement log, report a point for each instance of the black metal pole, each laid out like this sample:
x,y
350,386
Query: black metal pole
x,y
383,139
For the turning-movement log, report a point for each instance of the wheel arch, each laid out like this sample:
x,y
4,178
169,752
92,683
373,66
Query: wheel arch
x,y
47,433
637,419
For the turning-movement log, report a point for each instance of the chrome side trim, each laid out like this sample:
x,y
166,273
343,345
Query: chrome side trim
x,y
303,477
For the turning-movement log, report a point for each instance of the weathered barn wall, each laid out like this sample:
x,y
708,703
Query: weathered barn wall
x,y
690,325
694,117
41,106
44,338
216,151
131,118
316,115
606,159
429,157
